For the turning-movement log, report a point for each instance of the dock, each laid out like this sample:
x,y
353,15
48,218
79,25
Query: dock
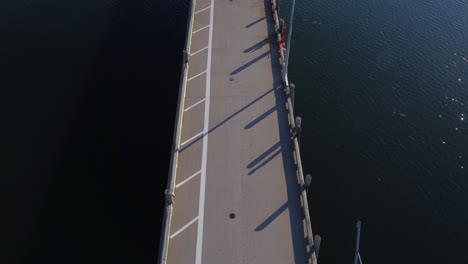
x,y
235,188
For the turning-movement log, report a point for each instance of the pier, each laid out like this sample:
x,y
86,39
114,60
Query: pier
x,y
235,188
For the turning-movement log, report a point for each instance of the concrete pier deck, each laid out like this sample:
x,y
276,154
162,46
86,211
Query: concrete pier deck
x,y
236,196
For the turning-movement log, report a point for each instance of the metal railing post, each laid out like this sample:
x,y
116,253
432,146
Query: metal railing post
x,y
288,42
358,237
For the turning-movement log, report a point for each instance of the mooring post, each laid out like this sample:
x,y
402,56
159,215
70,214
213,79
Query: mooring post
x,y
186,57
297,129
169,196
317,241
308,180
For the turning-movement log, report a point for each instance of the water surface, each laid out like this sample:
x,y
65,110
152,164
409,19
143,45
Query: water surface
x,y
382,88
88,100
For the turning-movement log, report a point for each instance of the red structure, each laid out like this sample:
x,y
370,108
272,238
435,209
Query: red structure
x,y
283,38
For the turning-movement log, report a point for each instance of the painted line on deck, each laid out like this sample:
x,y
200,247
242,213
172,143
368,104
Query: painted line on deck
x,y
195,104
200,29
191,78
184,227
188,179
201,10
192,138
201,202
200,50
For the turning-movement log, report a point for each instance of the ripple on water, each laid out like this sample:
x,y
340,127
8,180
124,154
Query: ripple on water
x,y
387,71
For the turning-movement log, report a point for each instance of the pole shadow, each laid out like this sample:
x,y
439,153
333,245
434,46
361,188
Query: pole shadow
x,y
265,162
243,67
225,120
272,217
255,22
256,46
263,155
260,118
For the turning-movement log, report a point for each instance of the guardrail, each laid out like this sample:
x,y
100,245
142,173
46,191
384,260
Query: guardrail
x,y
297,154
164,241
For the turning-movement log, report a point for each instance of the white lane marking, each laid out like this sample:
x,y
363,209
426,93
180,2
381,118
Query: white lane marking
x,y
201,10
195,104
200,29
188,179
199,51
201,202
192,138
184,227
191,78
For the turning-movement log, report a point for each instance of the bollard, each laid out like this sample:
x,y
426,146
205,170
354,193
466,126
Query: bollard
x,y
186,56
307,181
169,196
317,241
298,121
287,90
298,127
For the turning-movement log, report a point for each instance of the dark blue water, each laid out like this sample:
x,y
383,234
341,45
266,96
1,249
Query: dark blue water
x,y
383,90
88,99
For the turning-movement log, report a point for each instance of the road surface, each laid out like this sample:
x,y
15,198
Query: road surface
x,y
237,198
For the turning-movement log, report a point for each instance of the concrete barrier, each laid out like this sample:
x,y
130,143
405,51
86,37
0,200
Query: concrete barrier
x,y
297,153
166,225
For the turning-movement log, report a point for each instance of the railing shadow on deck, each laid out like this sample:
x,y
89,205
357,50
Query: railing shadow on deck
x,y
296,213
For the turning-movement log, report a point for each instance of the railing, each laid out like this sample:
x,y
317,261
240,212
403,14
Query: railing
x,y
164,242
297,154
